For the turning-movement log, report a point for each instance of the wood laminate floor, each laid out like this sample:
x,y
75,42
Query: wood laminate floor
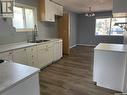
x,y
72,75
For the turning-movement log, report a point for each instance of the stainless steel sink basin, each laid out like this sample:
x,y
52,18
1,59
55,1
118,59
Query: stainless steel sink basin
x,y
1,61
39,41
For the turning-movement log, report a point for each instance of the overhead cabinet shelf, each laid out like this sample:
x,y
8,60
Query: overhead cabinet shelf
x,y
119,8
48,10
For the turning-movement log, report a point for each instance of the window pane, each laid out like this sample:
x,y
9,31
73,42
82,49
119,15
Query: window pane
x,y
102,26
118,26
29,18
18,18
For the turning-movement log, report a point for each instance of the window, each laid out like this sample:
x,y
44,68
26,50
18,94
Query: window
x,y
24,18
111,26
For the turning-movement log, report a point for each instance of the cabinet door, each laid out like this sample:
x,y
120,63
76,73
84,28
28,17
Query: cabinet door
x,y
45,55
49,55
20,56
58,10
6,55
49,11
42,57
57,51
60,50
32,58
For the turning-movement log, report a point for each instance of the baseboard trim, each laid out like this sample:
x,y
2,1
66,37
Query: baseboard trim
x,y
86,45
73,46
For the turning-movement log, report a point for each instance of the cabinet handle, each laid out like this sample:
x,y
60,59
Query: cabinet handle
x,y
10,53
46,49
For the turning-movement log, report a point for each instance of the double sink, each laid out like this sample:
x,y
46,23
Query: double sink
x,y
39,41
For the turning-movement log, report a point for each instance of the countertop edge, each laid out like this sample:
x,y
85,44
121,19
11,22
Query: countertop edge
x,y
24,43
35,71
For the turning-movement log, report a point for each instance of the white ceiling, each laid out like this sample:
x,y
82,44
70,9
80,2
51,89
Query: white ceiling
x,y
80,6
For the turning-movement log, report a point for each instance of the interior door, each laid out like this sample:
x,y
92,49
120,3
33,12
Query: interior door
x,y
64,31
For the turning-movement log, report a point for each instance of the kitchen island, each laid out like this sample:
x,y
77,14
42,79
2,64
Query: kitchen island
x,y
110,66
17,79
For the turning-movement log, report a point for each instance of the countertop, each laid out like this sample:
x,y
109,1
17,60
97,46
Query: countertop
x,y
12,73
111,47
13,46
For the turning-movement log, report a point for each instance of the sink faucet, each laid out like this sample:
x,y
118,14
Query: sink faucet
x,y
34,34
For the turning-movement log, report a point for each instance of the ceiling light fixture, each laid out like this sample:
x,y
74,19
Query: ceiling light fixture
x,y
90,13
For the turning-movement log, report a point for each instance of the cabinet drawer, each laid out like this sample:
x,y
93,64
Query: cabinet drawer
x,y
40,47
49,45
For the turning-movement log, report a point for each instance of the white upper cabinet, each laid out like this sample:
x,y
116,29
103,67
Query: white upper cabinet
x,y
120,8
58,10
48,10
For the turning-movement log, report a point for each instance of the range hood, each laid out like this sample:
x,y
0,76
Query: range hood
x,y
119,8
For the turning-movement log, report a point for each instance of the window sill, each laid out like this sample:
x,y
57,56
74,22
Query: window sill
x,y
24,30
109,35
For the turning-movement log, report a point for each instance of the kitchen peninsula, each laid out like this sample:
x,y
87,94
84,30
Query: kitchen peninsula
x,y
17,79
110,66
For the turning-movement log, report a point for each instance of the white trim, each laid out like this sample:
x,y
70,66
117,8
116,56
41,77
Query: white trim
x,y
85,45
24,5
24,30
73,46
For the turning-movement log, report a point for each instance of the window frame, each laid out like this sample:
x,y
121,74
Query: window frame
x,y
109,35
34,15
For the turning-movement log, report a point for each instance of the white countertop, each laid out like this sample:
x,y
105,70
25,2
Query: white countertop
x,y
13,46
111,47
13,73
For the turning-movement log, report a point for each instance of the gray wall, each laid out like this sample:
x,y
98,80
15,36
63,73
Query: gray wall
x,y
86,31
73,29
9,35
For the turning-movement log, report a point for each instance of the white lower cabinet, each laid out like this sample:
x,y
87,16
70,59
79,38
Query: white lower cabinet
x,y
32,58
39,56
57,50
7,55
20,56
45,54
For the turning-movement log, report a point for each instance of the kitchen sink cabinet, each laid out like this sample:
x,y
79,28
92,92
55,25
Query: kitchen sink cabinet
x,y
20,56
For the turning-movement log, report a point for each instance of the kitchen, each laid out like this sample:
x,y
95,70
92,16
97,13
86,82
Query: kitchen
x,y
38,34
